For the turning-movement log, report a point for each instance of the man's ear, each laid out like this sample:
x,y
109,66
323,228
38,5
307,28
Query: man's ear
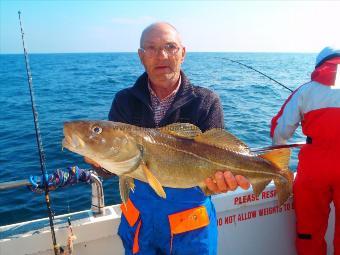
x,y
141,56
183,54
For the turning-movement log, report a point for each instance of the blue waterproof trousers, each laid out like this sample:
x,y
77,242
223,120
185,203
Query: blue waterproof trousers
x,y
183,223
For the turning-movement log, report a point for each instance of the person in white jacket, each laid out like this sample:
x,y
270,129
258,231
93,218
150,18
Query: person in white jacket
x,y
316,105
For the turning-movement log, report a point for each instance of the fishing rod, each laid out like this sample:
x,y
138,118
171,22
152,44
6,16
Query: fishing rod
x,y
252,68
263,149
275,147
39,143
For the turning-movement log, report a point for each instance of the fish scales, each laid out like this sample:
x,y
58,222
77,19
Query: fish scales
x,y
178,155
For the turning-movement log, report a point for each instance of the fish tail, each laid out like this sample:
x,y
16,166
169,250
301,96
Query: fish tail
x,y
283,189
284,184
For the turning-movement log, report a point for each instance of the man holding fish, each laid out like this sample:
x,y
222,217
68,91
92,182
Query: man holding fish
x,y
156,146
161,96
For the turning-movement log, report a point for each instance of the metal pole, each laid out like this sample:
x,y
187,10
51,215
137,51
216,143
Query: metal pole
x,y
14,184
39,142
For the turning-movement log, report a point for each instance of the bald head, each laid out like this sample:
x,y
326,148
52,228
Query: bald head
x,y
159,28
162,54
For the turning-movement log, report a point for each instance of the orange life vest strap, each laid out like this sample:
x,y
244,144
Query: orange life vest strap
x,y
130,212
135,247
188,220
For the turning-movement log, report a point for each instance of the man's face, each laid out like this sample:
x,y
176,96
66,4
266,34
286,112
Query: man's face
x,y
162,55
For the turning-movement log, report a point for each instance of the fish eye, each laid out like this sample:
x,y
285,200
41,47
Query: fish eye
x,y
97,130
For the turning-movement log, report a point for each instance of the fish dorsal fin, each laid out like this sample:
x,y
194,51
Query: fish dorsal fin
x,y
279,157
223,139
183,130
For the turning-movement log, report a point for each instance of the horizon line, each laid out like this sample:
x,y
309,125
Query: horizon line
x,y
109,52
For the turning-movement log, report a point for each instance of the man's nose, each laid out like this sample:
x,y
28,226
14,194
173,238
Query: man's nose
x,y
161,53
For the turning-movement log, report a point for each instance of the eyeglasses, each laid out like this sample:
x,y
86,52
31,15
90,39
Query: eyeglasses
x,y
170,49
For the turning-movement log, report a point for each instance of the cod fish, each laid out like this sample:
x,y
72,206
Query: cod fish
x,y
178,155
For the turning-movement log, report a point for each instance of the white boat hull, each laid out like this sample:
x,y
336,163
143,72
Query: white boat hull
x,y
246,226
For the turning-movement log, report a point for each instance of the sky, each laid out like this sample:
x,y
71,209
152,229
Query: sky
x,y
205,26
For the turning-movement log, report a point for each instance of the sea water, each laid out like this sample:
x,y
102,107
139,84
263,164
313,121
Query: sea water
x,y
82,86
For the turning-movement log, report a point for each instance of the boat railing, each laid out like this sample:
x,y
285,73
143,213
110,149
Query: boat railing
x,y
97,203
88,176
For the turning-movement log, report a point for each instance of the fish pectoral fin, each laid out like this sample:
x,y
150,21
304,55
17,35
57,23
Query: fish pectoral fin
x,y
153,182
223,139
182,130
125,185
259,185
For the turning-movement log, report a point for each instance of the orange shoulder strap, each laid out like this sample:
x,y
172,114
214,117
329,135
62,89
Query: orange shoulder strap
x,y
130,212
